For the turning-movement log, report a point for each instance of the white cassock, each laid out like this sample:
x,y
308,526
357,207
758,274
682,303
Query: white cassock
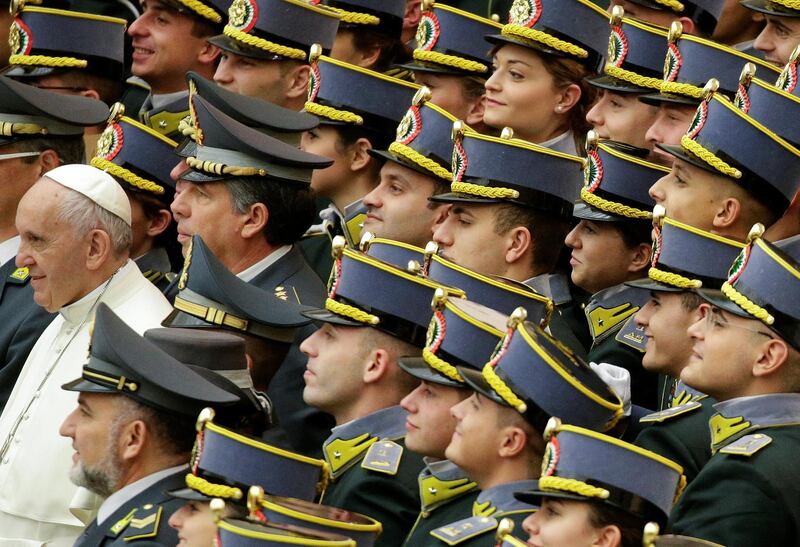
x,y
35,490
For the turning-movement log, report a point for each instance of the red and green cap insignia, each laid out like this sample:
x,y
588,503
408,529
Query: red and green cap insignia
x,y
428,31
552,453
243,14
699,120
460,161
617,46
592,171
787,81
20,38
656,252
314,82
673,62
739,265
742,99
436,332
110,142
525,12
410,126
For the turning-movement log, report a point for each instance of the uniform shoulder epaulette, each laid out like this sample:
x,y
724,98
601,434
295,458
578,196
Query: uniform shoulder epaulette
x,y
747,445
632,335
153,276
462,530
383,457
19,276
670,413
144,523
171,276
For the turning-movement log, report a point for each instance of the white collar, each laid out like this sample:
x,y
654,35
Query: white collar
x,y
8,249
130,491
565,142
253,271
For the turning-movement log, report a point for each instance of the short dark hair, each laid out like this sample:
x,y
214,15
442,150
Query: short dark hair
x,y
547,231
108,88
690,300
173,434
631,527
633,232
291,206
69,149
392,49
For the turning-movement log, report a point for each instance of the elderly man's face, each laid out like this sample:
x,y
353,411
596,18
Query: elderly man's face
x,y
49,247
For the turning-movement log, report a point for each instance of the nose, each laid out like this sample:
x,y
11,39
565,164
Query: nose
x,y
442,234
223,74
657,190
23,258
308,347
572,240
373,199
697,330
763,42
138,28
67,428
457,410
493,83
409,402
594,116
176,520
179,206
642,317
531,524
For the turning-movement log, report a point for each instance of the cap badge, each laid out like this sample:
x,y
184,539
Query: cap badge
x,y
410,126
460,161
19,38
110,142
617,46
739,265
787,81
592,171
656,253
552,453
699,120
673,62
243,14
742,99
525,12
428,31
314,82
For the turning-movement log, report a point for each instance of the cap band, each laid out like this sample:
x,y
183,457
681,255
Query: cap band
x,y
449,60
413,156
707,156
128,176
519,31
266,45
354,17
613,207
333,113
633,78
484,191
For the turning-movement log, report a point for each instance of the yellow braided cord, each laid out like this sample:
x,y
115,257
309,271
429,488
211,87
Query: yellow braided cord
x,y
351,312
682,89
613,207
746,304
619,413
426,163
202,10
333,114
679,490
673,279
212,490
8,129
791,4
449,60
441,366
266,45
571,485
324,479
698,150
633,78
222,169
497,384
544,38
354,17
121,173
186,127
44,60
484,191
671,4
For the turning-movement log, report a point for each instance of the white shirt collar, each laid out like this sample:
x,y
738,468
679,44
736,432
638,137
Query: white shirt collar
x,y
565,142
252,272
8,249
130,491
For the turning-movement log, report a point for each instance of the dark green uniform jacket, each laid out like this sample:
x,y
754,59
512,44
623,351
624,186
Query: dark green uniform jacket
x,y
373,474
165,114
23,322
447,495
492,505
681,433
140,520
749,492
567,324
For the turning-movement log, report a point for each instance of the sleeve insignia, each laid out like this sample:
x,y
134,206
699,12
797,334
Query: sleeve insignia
x,y
20,276
383,457
747,445
465,529
669,413
144,527
632,335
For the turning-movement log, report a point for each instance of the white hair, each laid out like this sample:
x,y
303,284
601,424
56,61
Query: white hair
x,y
84,215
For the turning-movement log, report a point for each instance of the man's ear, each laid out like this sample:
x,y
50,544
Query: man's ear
x,y
728,213
513,441
368,57
641,257
607,536
255,221
297,81
91,93
99,250
376,366
772,357
208,55
158,223
132,440
48,159
688,25
518,241
475,113
359,154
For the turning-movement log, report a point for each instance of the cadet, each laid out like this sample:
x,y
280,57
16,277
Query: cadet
x,y
697,17
755,182
461,333
418,167
67,51
684,259
140,159
350,126
498,435
369,33
634,67
132,432
782,31
543,57
265,48
503,222
451,59
170,39
353,373
599,500
746,356
58,124
610,245
690,62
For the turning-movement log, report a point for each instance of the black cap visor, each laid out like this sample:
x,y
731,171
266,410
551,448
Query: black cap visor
x,y
419,369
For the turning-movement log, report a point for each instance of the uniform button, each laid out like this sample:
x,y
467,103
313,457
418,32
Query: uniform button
x,y
162,124
432,490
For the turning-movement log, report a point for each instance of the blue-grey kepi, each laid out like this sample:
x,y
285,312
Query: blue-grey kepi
x,y
777,8
536,375
769,105
384,17
583,465
763,284
704,13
